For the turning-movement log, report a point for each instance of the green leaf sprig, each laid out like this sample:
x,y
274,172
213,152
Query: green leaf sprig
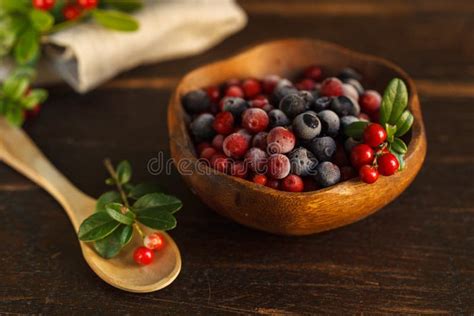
x,y
394,117
21,28
120,212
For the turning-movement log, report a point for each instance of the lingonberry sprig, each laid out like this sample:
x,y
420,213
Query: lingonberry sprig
x,y
120,212
382,149
23,23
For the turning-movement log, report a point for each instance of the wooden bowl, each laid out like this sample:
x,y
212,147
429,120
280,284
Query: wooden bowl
x,y
285,212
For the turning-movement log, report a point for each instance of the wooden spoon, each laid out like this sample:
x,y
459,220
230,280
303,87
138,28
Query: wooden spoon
x,y
18,151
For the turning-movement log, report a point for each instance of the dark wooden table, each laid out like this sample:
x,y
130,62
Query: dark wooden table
x,y
414,256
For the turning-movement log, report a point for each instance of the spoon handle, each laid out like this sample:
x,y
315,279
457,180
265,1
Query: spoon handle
x,y
19,152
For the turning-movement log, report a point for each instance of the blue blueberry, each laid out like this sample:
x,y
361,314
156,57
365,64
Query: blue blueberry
x,y
327,174
321,104
235,105
292,105
308,99
343,106
283,88
349,73
201,127
348,120
302,162
306,125
196,101
350,143
278,118
330,123
322,147
356,84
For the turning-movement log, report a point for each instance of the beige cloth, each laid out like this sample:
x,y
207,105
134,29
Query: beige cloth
x,y
87,55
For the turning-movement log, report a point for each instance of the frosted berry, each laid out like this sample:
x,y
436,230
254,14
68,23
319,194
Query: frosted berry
x,y
349,73
201,146
368,174
260,102
217,141
260,140
223,123
213,93
305,84
330,123
280,140
331,87
313,72
202,128
302,161
292,183
283,88
362,154
388,164
322,103
323,148
349,91
308,99
370,101
269,83
252,88
273,183
260,179
220,162
374,135
208,153
238,169
154,241
196,101
306,125
236,106
343,106
278,166
327,174
143,256
234,91
235,145
255,120
256,160
278,118
356,84
348,120
292,105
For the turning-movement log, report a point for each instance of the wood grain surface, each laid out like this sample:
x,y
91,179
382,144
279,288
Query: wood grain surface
x,y
414,256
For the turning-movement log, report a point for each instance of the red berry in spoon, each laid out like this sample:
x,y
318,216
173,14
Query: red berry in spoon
x,y
143,256
43,4
292,183
154,241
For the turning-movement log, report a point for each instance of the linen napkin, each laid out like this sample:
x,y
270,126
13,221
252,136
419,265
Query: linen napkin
x,y
87,55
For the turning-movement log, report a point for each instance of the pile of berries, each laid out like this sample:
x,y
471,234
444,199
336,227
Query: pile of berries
x,y
145,255
71,11
286,135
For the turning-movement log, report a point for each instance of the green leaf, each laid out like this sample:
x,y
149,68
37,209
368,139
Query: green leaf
x,y
404,123
7,39
143,189
14,5
120,213
125,5
398,146
41,20
34,97
157,217
97,226
109,181
356,129
394,101
111,245
401,161
15,116
171,203
390,129
27,47
115,20
124,172
15,87
106,198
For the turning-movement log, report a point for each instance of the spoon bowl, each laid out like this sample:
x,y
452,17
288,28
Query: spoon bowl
x,y
18,151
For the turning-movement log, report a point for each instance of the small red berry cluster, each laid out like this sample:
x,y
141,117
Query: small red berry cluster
x,y
372,157
71,11
146,254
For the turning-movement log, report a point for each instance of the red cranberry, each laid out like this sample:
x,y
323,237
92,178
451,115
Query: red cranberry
x,y
280,140
331,87
269,83
255,120
220,162
374,135
252,88
232,82
256,159
208,153
260,140
260,179
87,4
368,174
71,12
273,183
364,117
223,123
143,256
217,141
388,164
278,166
305,84
361,155
43,4
370,101
213,93
259,102
234,91
349,91
347,173
238,169
201,146
235,145
292,183
154,241
313,72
